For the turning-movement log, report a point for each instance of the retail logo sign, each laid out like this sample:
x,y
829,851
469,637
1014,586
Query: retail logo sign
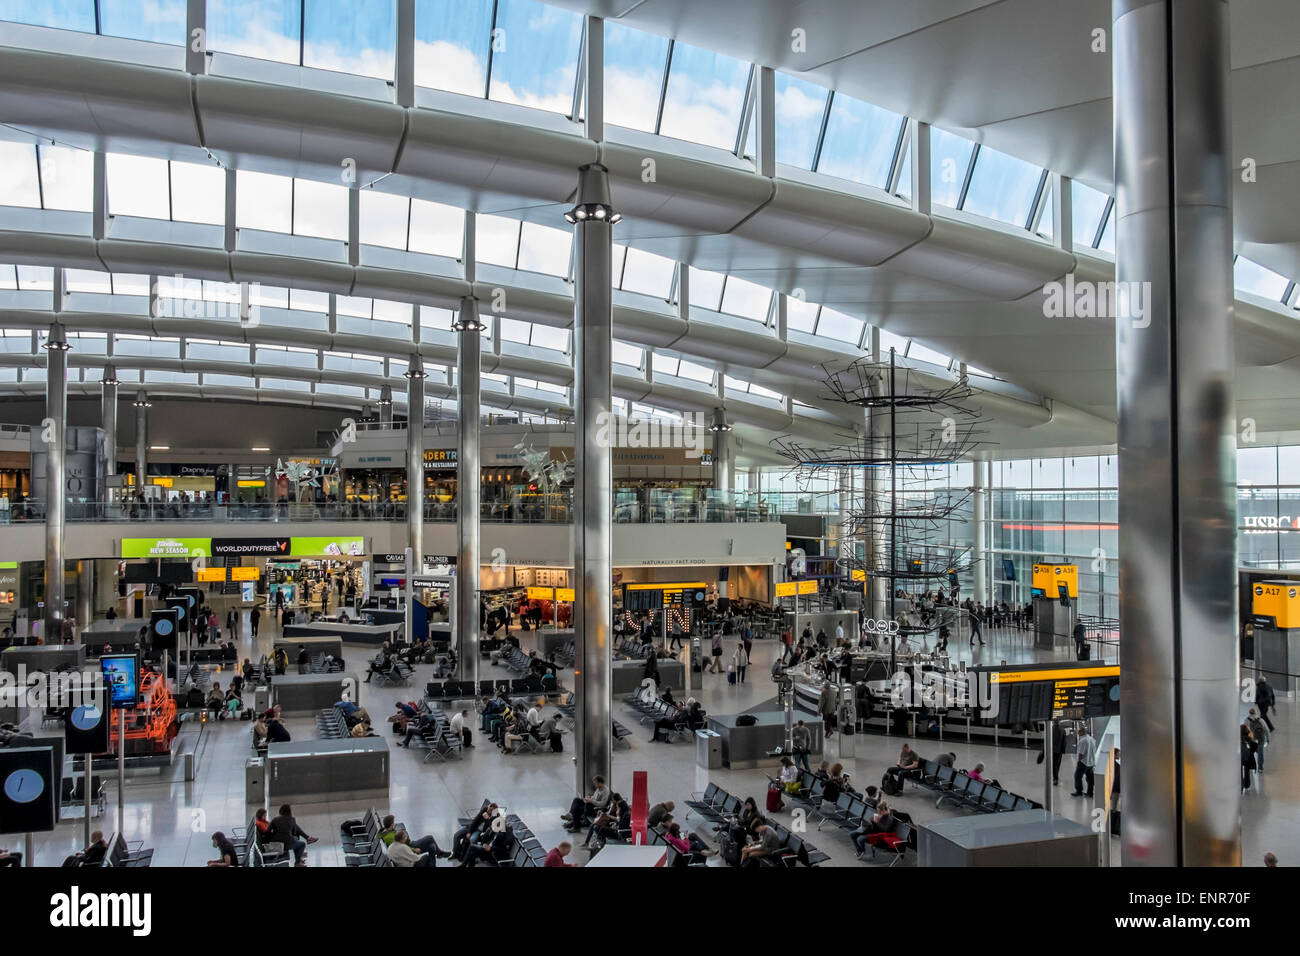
x,y
1268,524
1128,301
265,547
618,431
166,547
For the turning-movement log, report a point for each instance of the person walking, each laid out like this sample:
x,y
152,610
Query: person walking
x,y
975,631
741,661
232,623
716,650
1260,733
1248,749
1086,759
826,706
1264,699
253,620
800,744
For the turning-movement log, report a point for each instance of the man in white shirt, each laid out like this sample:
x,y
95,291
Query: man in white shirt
x,y
839,633
1086,760
401,853
459,729
534,717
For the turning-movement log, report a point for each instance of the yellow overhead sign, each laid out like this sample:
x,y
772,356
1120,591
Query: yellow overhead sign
x,y
1064,673
541,594
791,588
667,586
564,594
858,575
1047,577
210,575
245,574
1279,600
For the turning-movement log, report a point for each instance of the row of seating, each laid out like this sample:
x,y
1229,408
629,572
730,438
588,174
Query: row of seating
x,y
964,790
657,710
853,811
434,734
391,672
719,807
332,723
250,851
460,690
569,708
123,854
362,845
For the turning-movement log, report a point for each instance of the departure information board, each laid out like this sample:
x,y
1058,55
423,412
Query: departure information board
x,y
1026,695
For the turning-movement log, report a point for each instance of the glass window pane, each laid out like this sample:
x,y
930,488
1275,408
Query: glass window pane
x,y
535,55
741,297
61,14
383,219
888,340
949,157
263,201
265,29
705,94
634,70
800,315
927,354
18,186
800,106
1288,465
837,325
198,193
546,337
1047,221
512,330
860,141
647,273
1081,473
351,36
137,186
437,230
625,354
695,372
496,240
451,44
904,187
67,178
1086,206
1107,243
1253,278
320,209
706,288
1002,187
1256,466
544,249
159,21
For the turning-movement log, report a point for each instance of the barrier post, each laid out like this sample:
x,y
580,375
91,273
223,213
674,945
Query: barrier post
x,y
1048,757
29,848
86,787
121,769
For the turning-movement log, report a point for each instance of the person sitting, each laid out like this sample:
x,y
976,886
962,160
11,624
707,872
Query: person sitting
x,y
611,824
461,839
260,734
400,852
276,732
557,854
658,813
92,855
834,786
882,821
388,832
491,847
10,858
402,716
769,842
909,765
216,701
233,703
379,664
692,847
580,811
750,819
517,733
284,829
790,776
227,855
361,729
427,720
458,729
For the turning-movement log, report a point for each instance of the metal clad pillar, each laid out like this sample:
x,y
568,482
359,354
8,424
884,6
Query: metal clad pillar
x,y
56,477
877,424
979,564
108,421
142,404
386,406
469,379
415,376
722,461
1175,364
593,484
85,592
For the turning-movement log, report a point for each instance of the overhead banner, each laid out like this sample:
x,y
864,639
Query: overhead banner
x,y
327,547
1279,600
261,547
166,547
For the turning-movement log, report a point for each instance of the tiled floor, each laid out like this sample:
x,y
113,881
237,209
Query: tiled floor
x,y
177,818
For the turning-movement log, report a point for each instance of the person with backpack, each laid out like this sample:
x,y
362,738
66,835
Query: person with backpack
x,y
740,660
1260,733
1264,699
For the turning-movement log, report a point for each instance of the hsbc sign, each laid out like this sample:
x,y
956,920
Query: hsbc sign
x,y
1260,524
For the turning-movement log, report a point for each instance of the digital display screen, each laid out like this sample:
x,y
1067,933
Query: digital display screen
x,y
1008,569
122,678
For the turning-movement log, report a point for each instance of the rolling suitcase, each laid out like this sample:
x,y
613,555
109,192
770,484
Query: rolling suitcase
x,y
774,798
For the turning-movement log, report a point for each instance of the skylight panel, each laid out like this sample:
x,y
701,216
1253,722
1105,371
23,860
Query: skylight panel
x,y
451,45
860,141
695,372
1251,277
762,392
800,315
87,280
198,193
300,300
351,36
747,299
385,310
320,209
262,29
800,106
1002,187
544,249
138,186
383,219
546,337
837,325
19,185
496,240
512,330
158,21
648,273
437,229
926,354
1107,241
67,178
665,364
625,354
263,201
706,288
888,340
949,158
1047,221
634,70
535,55
704,97
62,15
1086,208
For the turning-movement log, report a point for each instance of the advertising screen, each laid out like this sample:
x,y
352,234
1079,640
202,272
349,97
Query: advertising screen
x,y
326,547
122,678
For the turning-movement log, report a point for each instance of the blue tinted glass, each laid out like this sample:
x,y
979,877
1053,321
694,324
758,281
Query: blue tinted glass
x,y
63,14
160,21
351,36
535,55
634,71
1047,221
451,45
1086,206
1107,243
705,96
905,173
860,141
949,157
800,106
1253,278
1002,187
264,29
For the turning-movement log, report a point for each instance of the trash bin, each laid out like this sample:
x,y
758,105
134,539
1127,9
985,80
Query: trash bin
x,y
261,699
255,781
708,749
697,664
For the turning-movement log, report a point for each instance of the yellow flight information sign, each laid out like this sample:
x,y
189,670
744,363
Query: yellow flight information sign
x,y
1279,600
245,574
210,575
858,575
1048,578
564,594
1070,692
791,588
541,594
667,586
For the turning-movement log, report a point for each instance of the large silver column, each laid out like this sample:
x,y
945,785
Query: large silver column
x,y
55,429
85,592
879,601
593,497
1177,473
415,376
469,377
722,461
979,564
142,405
108,421
386,406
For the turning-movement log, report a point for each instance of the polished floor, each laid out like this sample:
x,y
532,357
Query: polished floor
x,y
177,818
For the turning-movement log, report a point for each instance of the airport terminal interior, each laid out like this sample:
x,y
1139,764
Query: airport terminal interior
x,y
691,433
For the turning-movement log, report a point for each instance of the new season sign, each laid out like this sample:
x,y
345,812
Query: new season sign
x,y
166,547
256,547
